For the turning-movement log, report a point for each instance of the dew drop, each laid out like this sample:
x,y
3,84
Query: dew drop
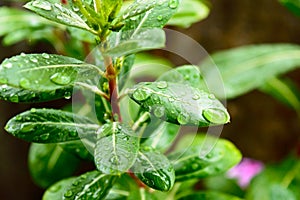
x,y
159,17
7,65
45,55
215,115
18,118
211,96
55,188
43,5
25,128
67,95
141,94
173,4
162,84
45,136
34,60
183,118
196,97
195,166
32,110
73,133
159,111
14,98
171,99
68,194
23,54
24,83
60,79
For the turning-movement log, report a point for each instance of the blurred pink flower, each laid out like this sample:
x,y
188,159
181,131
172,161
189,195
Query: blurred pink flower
x,y
245,171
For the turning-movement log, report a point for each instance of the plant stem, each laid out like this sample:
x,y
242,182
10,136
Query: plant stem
x,y
94,89
113,87
141,120
289,177
97,5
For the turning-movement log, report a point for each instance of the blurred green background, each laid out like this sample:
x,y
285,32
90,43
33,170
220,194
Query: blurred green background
x,y
261,127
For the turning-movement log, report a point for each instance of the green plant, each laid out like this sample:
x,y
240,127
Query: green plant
x,y
128,163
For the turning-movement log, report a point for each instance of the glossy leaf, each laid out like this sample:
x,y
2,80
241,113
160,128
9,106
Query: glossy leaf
x,y
188,163
57,190
187,74
292,5
49,126
189,12
41,77
179,103
154,169
277,181
149,14
249,67
284,90
116,149
109,8
58,13
125,71
91,185
129,42
162,137
77,149
209,195
49,163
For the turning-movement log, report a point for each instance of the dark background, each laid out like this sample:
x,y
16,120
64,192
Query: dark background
x,y
261,127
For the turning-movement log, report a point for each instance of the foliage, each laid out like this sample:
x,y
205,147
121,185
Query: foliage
x,y
131,151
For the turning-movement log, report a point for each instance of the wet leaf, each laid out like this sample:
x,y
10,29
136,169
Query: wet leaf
x,y
77,149
189,163
42,77
49,126
154,169
116,149
49,163
58,13
179,103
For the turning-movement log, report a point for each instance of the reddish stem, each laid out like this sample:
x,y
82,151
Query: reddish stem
x,y
138,181
64,1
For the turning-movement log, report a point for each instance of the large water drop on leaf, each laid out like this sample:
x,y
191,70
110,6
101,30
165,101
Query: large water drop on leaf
x,y
162,84
173,4
183,118
42,4
215,116
60,79
141,94
24,83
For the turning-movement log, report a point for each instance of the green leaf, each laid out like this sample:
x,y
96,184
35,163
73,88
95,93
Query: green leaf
x,y
189,163
122,188
48,163
179,103
249,67
209,195
116,149
41,77
162,137
284,90
189,12
154,169
77,149
50,126
277,181
292,5
133,41
57,13
57,190
109,8
186,74
148,13
91,185
125,71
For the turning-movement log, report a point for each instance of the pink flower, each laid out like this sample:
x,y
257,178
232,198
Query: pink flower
x,y
245,171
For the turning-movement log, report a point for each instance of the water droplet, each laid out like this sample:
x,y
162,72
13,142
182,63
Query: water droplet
x,y
24,83
67,95
173,4
211,96
171,99
3,80
14,98
55,188
195,166
141,94
42,4
159,17
23,54
68,194
7,65
215,115
34,60
32,110
45,136
45,55
18,118
162,84
25,128
183,118
196,97
159,111
73,133
60,79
